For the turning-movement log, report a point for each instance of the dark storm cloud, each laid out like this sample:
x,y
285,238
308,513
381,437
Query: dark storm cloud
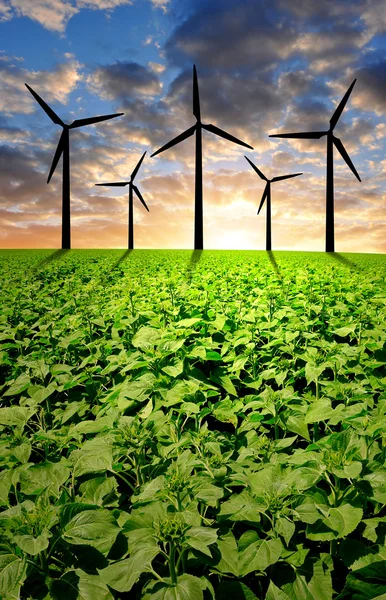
x,y
124,80
231,35
317,12
371,92
20,181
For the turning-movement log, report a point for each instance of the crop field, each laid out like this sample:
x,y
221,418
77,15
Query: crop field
x,y
179,425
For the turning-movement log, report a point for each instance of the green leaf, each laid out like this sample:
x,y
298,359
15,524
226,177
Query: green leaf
x,y
19,385
296,424
241,507
344,331
219,376
95,456
12,574
229,562
174,368
319,411
313,372
33,545
71,339
275,593
200,538
320,584
260,555
187,587
344,519
146,338
15,415
213,355
368,583
78,585
285,528
44,476
122,575
97,528
234,590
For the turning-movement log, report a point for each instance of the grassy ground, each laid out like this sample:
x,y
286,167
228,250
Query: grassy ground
x,y
191,425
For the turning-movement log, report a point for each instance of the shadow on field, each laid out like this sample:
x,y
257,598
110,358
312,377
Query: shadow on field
x,y
54,256
194,259
125,255
343,260
273,263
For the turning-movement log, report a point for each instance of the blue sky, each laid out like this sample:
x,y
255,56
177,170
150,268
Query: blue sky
x,y
263,67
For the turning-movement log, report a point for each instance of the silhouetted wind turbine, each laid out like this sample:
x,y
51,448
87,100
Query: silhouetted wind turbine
x,y
197,128
132,188
331,142
267,195
64,148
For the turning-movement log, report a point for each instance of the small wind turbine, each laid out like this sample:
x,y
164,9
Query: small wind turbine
x,y
267,195
132,188
64,148
197,129
331,142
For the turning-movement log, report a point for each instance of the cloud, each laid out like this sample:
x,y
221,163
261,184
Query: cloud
x,y
124,80
53,85
5,11
102,4
162,4
370,92
52,14
230,35
156,67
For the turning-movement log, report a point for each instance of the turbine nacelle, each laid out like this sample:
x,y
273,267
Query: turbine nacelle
x,y
207,126
316,135
58,121
130,182
269,181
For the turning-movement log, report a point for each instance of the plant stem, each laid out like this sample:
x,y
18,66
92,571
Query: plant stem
x,y
172,566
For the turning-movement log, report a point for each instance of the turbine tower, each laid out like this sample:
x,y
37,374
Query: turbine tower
x,y
267,195
197,129
331,142
64,148
132,188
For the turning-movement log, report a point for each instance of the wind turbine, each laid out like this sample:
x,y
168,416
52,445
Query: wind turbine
x,y
197,129
63,147
267,195
331,142
132,188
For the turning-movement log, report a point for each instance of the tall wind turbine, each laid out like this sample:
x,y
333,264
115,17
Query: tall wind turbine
x,y
267,195
64,148
132,188
331,142
197,129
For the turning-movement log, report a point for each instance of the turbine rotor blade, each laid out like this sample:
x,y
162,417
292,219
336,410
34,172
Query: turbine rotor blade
x,y
285,177
57,155
137,167
139,195
225,135
176,140
53,116
92,120
343,152
335,117
260,174
265,194
196,96
307,135
115,184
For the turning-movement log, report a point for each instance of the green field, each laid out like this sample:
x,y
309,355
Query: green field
x,y
179,425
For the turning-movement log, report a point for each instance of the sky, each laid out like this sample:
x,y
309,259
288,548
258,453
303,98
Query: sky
x,y
263,67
